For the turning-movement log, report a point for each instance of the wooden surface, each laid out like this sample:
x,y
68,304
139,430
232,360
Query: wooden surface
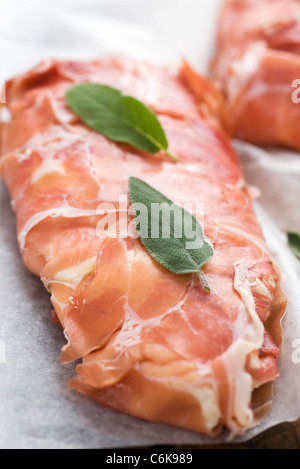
x,y
284,436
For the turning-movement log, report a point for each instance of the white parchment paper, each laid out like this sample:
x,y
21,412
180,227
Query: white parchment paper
x,y
37,409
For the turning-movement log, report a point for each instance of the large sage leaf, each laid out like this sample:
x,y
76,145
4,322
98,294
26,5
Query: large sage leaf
x,y
171,235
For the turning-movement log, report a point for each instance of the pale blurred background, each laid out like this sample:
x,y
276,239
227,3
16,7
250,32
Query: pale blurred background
x,y
156,30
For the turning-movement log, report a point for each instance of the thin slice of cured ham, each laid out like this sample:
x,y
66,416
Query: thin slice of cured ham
x,y
257,63
153,344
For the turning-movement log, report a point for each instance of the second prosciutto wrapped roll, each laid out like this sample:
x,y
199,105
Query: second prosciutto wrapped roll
x,y
257,64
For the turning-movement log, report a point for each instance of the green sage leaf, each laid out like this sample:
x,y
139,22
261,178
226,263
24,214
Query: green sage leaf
x,y
170,234
294,243
118,117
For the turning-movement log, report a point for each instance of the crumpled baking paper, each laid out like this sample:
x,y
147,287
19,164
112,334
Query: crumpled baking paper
x,y
37,409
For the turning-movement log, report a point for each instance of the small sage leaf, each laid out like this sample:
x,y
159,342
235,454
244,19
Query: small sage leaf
x,y
294,243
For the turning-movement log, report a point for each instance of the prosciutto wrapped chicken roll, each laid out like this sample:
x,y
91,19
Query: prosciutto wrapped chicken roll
x,y
152,343
257,63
